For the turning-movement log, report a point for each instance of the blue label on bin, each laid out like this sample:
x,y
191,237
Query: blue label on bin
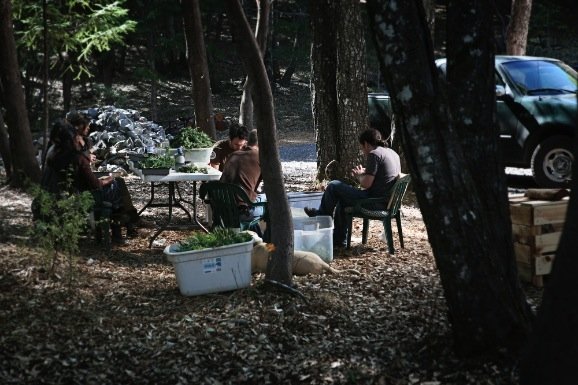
x,y
211,265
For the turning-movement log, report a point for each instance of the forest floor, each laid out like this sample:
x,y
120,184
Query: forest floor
x,y
120,318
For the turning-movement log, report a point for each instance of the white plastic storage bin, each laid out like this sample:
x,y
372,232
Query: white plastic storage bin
x,y
305,199
198,156
314,234
212,270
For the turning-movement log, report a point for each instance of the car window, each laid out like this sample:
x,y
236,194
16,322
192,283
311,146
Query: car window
x,y
541,77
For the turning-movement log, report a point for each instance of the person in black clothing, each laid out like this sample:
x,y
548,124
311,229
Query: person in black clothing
x,y
65,162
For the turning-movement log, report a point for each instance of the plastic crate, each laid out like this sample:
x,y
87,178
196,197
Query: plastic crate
x,y
212,270
314,234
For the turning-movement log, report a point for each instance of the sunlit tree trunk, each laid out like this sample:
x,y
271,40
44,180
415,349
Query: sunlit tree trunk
x,y
351,85
24,163
323,82
261,33
279,267
486,306
517,32
198,67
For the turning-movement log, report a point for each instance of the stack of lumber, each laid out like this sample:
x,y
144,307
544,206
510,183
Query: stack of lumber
x,y
536,227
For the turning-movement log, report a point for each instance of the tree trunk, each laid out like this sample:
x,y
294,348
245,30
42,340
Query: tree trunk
x,y
279,267
290,70
261,31
198,67
323,82
107,64
67,80
5,146
339,92
45,74
151,43
351,85
517,32
553,347
24,163
486,307
430,16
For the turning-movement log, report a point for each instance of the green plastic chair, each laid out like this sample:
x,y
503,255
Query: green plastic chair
x,y
365,208
225,200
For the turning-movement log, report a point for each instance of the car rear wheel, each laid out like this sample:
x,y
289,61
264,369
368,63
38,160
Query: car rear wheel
x,y
552,162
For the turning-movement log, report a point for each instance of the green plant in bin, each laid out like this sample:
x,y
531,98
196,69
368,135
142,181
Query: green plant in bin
x,y
191,168
218,237
157,161
191,137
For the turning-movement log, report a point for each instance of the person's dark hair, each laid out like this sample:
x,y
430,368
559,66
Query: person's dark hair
x,y
62,134
238,131
79,120
253,139
371,136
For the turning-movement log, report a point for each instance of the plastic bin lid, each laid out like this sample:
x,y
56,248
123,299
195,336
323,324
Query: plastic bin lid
x,y
308,224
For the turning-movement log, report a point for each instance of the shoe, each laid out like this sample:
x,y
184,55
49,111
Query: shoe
x,y
311,212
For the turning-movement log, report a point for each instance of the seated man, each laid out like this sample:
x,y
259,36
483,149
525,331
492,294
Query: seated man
x,y
223,149
382,167
243,169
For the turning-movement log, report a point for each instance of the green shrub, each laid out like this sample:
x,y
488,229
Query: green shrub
x,y
60,223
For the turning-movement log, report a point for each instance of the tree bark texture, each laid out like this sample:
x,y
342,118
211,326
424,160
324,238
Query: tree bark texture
x,y
24,163
339,97
471,98
553,348
517,32
351,85
486,309
279,267
323,82
198,67
261,33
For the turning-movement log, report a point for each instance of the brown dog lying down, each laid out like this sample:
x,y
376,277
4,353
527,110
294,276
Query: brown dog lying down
x,y
304,262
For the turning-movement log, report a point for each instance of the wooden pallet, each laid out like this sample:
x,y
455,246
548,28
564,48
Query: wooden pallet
x,y
536,228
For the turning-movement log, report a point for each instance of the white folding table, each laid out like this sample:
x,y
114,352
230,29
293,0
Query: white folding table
x,y
175,199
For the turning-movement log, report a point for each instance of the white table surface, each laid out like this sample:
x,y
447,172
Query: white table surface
x,y
212,174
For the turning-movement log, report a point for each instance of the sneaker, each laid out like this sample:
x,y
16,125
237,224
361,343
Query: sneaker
x,y
311,212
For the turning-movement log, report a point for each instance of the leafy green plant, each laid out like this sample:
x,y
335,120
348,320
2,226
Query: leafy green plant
x,y
157,161
218,237
190,137
59,224
191,168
